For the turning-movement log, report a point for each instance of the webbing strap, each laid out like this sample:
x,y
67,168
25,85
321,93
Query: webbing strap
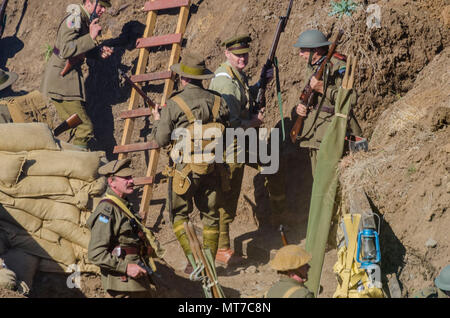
x,y
351,222
185,108
216,107
290,291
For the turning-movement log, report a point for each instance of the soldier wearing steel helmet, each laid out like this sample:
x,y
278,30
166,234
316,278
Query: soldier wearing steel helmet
x,y
313,47
291,263
441,288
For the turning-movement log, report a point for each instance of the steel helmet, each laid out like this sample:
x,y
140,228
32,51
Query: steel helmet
x,y
290,257
311,39
443,280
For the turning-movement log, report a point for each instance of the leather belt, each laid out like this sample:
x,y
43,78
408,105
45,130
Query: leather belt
x,y
326,109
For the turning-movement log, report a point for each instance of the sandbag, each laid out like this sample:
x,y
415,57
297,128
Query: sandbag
x,y
11,166
30,108
69,231
41,186
7,277
50,266
47,235
95,188
20,219
72,164
43,208
83,264
26,137
79,200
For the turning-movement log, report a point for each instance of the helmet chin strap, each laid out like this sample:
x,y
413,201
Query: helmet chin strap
x,y
310,58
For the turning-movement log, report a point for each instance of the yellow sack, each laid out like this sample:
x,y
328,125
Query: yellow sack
x,y
30,108
11,167
20,219
69,231
26,137
72,164
95,188
31,187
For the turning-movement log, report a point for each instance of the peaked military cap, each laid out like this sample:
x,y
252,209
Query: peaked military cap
x,y
119,168
105,3
238,44
192,66
7,79
290,257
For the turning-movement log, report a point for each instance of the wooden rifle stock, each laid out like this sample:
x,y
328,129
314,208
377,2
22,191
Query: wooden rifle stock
x,y
147,100
283,236
70,123
308,92
261,97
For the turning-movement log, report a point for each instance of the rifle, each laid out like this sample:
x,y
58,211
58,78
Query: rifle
x,y
283,236
72,61
70,123
200,257
261,97
147,100
3,16
308,93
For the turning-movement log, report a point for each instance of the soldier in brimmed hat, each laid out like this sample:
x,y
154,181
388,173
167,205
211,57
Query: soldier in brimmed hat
x,y
232,83
291,263
76,39
116,244
441,288
192,103
6,80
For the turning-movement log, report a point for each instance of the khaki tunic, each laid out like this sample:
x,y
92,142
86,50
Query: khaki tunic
x,y
288,288
314,130
111,227
70,41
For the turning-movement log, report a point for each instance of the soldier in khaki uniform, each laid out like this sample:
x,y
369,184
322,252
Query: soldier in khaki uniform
x,y
441,288
192,102
314,48
76,39
6,80
291,263
115,245
232,83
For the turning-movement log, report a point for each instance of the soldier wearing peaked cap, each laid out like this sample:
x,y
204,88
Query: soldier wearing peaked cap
x,y
116,244
76,39
291,263
192,183
233,84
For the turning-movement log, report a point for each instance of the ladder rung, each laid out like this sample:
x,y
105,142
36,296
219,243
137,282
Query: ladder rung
x,y
139,112
141,181
151,77
136,147
158,40
164,4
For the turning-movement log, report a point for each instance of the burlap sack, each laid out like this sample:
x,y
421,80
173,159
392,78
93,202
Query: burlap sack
x,y
31,187
11,166
84,265
72,164
93,189
26,137
69,231
50,266
29,108
20,219
7,277
80,200
47,235
43,208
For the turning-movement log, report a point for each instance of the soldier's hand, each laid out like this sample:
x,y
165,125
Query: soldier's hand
x,y
301,110
155,112
261,114
106,52
135,271
94,29
316,85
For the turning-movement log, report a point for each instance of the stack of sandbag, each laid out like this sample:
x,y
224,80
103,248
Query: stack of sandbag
x,y
47,192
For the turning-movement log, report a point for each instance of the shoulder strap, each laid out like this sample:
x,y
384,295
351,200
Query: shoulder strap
x,y
233,74
185,108
290,291
216,107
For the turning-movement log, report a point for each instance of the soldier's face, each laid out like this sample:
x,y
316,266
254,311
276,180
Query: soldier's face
x,y
90,8
121,185
238,61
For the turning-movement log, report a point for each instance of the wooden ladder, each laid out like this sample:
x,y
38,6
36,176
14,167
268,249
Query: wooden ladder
x,y
133,112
